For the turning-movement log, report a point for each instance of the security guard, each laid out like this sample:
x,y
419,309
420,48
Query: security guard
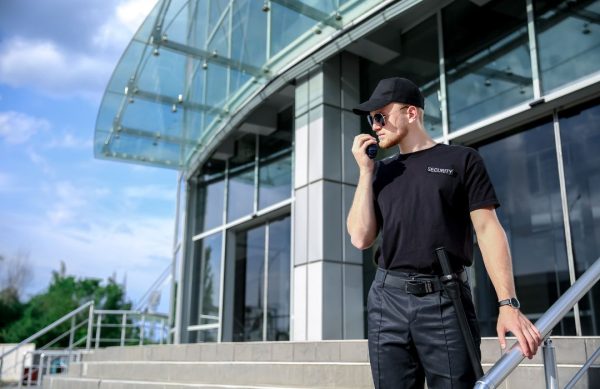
x,y
428,196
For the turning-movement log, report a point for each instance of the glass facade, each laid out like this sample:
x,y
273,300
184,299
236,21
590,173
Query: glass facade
x,y
568,40
230,191
194,62
194,65
580,137
488,67
524,170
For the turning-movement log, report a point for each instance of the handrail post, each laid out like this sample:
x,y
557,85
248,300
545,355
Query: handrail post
x,y
40,369
72,334
511,359
98,328
550,372
142,329
123,329
88,342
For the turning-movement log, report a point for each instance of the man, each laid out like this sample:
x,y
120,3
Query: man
x,y
428,196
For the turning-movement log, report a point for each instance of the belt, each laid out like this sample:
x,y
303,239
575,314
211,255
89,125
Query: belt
x,y
420,284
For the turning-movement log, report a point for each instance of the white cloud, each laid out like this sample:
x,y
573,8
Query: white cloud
x,y
45,66
120,27
149,192
58,68
39,160
69,141
17,127
5,182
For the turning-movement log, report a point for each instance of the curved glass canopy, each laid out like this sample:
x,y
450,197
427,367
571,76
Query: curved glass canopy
x,y
194,62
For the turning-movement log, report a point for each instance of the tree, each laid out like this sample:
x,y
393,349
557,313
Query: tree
x,y
64,294
15,273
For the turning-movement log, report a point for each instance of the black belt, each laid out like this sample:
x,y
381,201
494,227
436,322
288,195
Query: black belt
x,y
420,284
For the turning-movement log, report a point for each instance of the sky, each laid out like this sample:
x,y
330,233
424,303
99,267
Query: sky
x,y
57,202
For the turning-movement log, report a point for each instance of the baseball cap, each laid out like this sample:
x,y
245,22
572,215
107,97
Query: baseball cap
x,y
388,90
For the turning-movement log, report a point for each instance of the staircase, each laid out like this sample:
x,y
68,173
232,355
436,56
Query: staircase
x,y
323,364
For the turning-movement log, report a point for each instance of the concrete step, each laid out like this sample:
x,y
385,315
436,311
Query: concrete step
x,y
307,374
60,382
322,351
321,364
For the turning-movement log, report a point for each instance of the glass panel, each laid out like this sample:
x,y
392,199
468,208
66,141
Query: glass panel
x,y
488,65
249,35
581,142
240,196
286,26
523,168
568,40
275,181
419,62
249,282
275,166
206,280
278,292
210,196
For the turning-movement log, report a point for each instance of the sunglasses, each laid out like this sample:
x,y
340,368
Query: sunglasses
x,y
379,118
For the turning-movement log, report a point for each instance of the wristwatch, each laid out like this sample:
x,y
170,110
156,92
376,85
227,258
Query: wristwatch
x,y
513,302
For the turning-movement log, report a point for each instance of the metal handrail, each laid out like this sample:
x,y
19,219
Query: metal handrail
x,y
49,327
511,359
89,305
583,369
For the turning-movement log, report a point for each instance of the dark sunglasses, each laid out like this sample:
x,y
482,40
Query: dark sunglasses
x,y
378,118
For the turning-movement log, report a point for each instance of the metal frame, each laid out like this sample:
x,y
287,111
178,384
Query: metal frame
x,y
511,359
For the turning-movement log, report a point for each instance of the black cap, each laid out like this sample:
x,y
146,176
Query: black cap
x,y
395,89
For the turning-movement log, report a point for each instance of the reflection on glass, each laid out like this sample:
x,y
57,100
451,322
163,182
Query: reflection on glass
x,y
210,196
286,26
275,181
581,142
249,32
419,62
278,292
249,281
523,168
206,280
240,196
568,40
488,66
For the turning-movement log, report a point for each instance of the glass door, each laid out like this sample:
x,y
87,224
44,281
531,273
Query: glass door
x,y
261,293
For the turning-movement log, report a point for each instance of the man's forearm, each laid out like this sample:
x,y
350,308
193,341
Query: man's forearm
x,y
361,222
496,257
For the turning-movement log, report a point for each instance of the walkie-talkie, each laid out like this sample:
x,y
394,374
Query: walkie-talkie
x,y
372,150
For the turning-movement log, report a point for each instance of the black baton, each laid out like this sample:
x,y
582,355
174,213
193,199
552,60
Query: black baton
x,y
453,289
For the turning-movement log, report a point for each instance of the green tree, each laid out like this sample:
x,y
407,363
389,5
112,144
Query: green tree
x,y
64,294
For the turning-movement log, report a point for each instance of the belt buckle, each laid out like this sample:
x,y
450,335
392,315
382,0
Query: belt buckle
x,y
419,287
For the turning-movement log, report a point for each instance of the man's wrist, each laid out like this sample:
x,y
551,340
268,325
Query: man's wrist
x,y
512,302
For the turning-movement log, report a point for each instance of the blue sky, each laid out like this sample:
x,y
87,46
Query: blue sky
x,y
57,202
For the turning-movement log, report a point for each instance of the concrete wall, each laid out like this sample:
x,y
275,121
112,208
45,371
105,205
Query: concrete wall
x,y
12,364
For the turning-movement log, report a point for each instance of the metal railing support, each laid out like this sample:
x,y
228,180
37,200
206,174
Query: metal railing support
x,y
72,333
123,328
98,328
511,359
88,343
550,370
142,329
583,369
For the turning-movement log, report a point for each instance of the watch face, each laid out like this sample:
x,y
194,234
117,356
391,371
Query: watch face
x,y
515,303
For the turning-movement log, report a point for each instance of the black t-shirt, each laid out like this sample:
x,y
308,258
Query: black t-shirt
x,y
423,201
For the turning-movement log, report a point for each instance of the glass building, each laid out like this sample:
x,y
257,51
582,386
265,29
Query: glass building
x,y
251,102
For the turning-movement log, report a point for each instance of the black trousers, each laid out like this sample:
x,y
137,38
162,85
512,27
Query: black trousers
x,y
413,337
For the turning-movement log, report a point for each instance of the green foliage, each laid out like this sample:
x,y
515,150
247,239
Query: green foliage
x,y
11,309
64,294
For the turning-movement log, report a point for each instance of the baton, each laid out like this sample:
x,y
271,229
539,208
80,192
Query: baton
x,y
453,289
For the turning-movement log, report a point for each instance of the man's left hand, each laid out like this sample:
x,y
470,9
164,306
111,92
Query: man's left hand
x,y
528,336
